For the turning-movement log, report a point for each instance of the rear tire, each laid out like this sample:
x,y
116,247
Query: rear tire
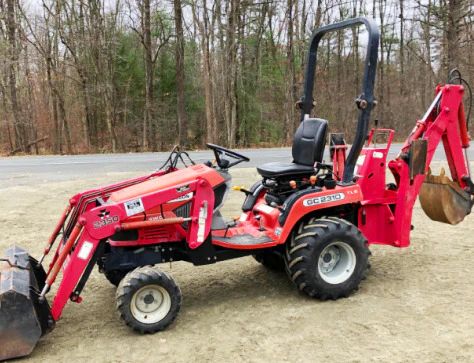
x,y
327,258
148,300
272,260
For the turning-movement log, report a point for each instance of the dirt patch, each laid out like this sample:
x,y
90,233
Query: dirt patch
x,y
416,304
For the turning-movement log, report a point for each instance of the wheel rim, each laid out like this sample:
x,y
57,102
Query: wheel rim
x,y
150,304
336,262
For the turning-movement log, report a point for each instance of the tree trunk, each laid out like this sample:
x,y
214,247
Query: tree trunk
x,y
339,75
290,75
355,48
381,64
21,138
203,26
180,90
109,115
5,107
402,49
31,131
230,73
88,119
52,94
428,71
149,135
64,122
453,33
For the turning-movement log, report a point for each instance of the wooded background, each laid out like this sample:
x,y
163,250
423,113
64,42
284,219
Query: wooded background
x,y
135,75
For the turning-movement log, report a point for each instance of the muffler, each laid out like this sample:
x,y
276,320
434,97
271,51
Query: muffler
x,y
24,317
443,200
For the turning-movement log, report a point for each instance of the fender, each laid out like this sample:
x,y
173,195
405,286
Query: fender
x,y
311,200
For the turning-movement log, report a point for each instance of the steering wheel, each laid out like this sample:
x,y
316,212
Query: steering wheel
x,y
221,152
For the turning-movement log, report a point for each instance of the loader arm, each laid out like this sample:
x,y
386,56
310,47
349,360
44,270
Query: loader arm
x,y
87,222
102,222
79,204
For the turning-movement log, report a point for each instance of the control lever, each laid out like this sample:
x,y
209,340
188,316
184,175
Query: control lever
x,y
241,189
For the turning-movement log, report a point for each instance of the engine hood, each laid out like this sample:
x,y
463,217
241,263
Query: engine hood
x,y
168,181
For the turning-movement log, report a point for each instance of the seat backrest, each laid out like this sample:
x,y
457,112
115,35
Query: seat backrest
x,y
309,141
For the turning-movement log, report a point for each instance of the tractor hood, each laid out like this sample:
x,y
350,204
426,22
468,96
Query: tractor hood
x,y
169,180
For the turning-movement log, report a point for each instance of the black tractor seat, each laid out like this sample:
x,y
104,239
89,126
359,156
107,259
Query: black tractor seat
x,y
276,169
308,148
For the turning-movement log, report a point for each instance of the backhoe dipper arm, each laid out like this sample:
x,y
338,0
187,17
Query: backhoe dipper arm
x,y
445,121
365,102
442,122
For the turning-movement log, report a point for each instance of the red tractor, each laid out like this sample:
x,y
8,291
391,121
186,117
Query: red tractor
x,y
316,220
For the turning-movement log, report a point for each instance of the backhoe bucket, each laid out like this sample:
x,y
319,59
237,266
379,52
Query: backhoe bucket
x,y
443,200
23,317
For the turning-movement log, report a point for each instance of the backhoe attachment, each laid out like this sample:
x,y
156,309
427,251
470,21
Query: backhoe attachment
x,y
443,200
24,318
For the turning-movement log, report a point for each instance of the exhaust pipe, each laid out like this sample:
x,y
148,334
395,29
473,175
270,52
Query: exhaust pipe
x,y
24,317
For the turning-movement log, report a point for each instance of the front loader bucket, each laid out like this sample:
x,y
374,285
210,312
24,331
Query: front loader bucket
x,y
443,200
23,317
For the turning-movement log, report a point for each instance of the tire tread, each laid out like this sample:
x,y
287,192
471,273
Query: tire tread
x,y
299,256
132,282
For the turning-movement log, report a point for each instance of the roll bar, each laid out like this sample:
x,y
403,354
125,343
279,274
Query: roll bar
x,y
365,102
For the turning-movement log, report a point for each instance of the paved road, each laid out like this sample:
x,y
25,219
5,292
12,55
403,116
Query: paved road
x,y
38,169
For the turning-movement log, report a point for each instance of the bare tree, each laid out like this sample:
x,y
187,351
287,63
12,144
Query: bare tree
x,y
152,46
202,20
179,58
230,71
21,136
95,75
290,73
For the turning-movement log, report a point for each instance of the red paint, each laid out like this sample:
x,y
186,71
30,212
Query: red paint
x,y
352,195
388,214
338,160
383,214
71,274
167,181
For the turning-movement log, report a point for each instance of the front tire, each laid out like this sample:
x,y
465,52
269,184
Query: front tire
x,y
148,300
327,258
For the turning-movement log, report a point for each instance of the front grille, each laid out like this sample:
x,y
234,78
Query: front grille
x,y
185,212
155,233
